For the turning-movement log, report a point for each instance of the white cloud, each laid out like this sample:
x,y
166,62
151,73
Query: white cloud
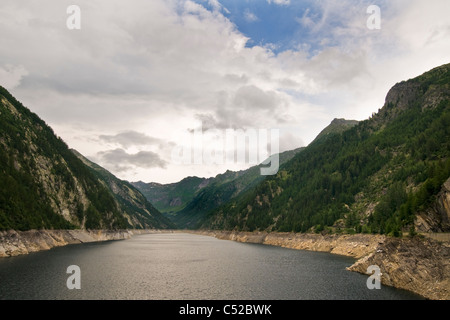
x,y
130,138
280,2
250,16
11,76
119,160
217,6
137,76
306,20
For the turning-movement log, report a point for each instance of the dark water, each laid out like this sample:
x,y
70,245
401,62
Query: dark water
x,y
185,266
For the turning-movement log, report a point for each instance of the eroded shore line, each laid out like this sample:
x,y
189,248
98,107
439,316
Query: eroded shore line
x,y
419,265
15,243
355,246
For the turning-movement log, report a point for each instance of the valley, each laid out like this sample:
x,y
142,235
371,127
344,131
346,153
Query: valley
x,y
366,189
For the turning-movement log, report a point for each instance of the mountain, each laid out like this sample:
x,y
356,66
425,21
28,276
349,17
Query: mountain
x,y
336,126
44,185
187,202
170,198
132,204
221,190
386,174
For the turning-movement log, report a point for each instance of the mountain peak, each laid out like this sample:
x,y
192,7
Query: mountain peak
x,y
426,90
338,125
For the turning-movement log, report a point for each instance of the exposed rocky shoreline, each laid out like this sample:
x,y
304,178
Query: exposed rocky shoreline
x,y
14,243
418,265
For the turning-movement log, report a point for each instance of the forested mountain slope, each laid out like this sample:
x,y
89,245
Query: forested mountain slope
x,y
379,176
132,204
44,185
222,189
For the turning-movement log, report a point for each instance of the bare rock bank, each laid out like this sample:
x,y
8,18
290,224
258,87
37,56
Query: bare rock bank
x,y
415,264
14,243
356,246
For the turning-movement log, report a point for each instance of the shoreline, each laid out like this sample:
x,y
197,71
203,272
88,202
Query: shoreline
x,y
419,265
14,243
355,246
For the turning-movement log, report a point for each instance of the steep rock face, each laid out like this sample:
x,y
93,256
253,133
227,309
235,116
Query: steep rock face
x,y
443,206
423,90
437,217
418,265
402,95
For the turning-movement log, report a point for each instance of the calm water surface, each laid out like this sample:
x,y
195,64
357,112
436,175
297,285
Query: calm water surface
x,y
185,266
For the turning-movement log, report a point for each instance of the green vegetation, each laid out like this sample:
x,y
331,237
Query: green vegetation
x,y
43,185
222,189
171,198
22,205
374,176
129,200
397,160
187,202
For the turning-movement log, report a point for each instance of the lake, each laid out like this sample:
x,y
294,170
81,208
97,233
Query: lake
x,y
177,266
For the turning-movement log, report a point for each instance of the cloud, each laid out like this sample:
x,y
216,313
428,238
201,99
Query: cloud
x,y
11,76
252,97
289,141
120,160
280,2
250,16
217,6
307,20
139,75
130,138
247,106
208,122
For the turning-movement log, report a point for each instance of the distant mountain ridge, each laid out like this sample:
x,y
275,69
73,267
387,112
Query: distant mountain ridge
x,y
170,198
187,202
44,185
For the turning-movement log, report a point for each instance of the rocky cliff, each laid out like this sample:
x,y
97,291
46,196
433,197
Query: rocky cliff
x,y
418,265
424,90
437,217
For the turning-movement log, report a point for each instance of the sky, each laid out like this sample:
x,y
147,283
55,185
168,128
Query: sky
x,y
144,82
